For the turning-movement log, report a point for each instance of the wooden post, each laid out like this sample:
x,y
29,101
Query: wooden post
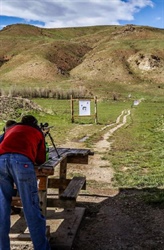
x,y
95,99
95,109
42,182
63,172
72,110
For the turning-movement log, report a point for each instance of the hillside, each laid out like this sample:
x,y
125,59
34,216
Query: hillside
x,y
95,57
124,198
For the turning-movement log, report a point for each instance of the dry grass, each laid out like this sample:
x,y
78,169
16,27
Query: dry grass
x,y
102,59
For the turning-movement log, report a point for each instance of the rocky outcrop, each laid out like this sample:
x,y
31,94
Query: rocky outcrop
x,y
13,107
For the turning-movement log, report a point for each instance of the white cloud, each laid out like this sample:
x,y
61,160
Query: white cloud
x,y
72,13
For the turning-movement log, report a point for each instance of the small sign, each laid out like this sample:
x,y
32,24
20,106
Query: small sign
x,y
84,108
136,102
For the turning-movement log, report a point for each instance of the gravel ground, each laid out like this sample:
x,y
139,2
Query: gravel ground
x,y
122,222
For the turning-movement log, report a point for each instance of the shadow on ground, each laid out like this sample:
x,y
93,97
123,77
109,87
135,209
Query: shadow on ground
x,y
133,219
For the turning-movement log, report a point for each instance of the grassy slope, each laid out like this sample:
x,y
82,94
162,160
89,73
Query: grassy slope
x,y
94,57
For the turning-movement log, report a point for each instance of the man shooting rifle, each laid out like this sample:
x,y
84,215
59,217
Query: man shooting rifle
x,y
23,146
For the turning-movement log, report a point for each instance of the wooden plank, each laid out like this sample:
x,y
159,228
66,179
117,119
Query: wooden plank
x,y
42,182
63,223
64,228
26,235
43,201
63,168
46,171
51,202
21,236
79,151
58,183
64,153
79,159
59,203
61,151
63,172
72,190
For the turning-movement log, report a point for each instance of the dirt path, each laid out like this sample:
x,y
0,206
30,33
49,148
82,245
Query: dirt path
x,y
105,174
104,144
117,219
99,169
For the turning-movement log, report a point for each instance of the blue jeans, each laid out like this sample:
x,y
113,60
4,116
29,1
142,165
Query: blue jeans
x,y
18,169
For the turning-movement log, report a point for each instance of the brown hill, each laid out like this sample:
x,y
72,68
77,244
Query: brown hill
x,y
109,54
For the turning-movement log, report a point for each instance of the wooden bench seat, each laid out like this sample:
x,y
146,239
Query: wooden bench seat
x,y
66,199
72,190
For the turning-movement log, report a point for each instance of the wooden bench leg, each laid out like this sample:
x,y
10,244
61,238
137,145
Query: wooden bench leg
x,y
42,192
63,172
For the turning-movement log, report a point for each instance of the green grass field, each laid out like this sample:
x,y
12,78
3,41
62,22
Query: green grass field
x,y
137,154
60,117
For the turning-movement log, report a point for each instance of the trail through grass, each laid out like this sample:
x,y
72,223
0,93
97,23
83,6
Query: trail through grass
x,y
137,153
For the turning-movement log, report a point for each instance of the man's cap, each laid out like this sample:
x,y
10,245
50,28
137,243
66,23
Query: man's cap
x,y
9,123
29,120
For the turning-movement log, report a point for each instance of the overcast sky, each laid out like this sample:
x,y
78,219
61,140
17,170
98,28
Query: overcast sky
x,y
78,13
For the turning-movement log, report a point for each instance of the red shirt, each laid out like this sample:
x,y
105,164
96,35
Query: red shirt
x,y
26,140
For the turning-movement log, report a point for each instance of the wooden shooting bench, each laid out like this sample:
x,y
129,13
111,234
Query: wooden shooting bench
x,y
64,200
